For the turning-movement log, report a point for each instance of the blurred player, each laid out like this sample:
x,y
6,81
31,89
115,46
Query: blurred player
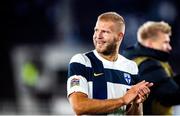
x,y
151,53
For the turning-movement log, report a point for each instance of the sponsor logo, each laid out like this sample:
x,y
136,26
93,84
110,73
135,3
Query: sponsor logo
x,y
98,74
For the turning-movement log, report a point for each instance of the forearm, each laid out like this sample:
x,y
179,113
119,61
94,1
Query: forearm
x,y
93,106
84,105
101,106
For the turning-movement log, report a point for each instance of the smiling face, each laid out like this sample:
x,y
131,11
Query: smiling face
x,y
106,37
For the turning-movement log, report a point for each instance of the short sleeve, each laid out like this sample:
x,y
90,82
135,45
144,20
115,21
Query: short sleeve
x,y
77,74
77,83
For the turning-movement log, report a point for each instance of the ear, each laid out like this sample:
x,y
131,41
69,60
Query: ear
x,y
120,35
149,43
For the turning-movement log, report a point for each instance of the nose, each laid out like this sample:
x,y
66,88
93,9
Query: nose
x,y
169,48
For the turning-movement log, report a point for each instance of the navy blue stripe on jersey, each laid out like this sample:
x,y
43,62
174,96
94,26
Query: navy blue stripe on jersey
x,y
100,83
79,69
99,87
114,76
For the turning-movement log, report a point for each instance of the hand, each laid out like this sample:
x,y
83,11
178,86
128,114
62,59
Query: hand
x,y
140,99
143,94
137,92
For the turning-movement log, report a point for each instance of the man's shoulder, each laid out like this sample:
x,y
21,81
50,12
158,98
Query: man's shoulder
x,y
148,60
127,60
80,58
132,66
148,63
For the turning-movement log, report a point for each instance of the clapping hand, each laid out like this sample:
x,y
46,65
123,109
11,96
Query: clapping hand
x,y
143,93
137,93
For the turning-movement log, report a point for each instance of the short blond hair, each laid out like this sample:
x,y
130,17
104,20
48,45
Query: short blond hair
x,y
114,17
151,28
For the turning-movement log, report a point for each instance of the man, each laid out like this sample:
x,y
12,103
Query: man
x,y
151,55
100,81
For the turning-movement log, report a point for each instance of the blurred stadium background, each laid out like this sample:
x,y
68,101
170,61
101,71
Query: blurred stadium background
x,y
42,35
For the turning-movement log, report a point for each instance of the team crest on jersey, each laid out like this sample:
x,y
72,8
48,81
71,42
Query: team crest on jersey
x,y
127,77
75,82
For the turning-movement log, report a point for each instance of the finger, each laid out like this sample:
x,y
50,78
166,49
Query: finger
x,y
140,83
141,92
146,86
146,90
140,99
150,85
146,96
142,96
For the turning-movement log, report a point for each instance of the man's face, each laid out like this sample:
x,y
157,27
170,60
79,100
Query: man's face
x,y
106,37
162,43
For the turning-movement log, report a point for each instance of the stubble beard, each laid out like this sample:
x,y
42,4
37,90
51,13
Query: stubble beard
x,y
107,50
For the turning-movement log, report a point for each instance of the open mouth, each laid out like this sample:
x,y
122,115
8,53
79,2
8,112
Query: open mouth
x,y
100,42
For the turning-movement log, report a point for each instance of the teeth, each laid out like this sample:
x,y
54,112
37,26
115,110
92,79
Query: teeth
x,y
100,42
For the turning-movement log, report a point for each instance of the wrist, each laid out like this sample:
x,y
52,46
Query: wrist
x,y
123,101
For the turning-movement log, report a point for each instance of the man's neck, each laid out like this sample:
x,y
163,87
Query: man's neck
x,y
111,57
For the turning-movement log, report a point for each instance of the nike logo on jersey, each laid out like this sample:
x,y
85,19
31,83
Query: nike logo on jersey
x,y
98,74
